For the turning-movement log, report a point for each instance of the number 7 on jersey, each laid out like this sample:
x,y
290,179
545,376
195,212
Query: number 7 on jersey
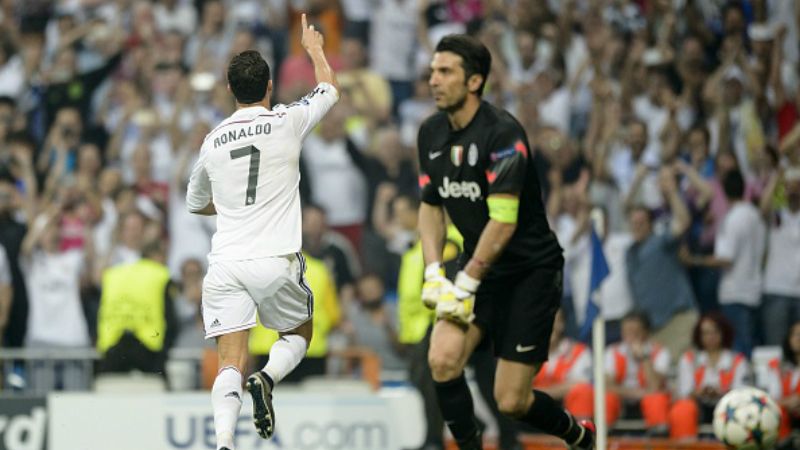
x,y
252,178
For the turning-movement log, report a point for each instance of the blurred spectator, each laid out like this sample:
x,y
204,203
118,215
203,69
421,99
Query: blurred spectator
x,y
739,252
64,84
127,242
566,376
414,110
332,161
369,93
12,233
327,315
5,293
635,170
54,278
783,384
707,208
735,125
393,32
56,319
137,324
781,278
12,70
705,374
637,370
190,234
373,321
395,226
187,305
175,15
59,152
331,248
658,281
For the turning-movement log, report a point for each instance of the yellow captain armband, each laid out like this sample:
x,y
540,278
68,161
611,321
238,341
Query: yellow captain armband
x,y
503,209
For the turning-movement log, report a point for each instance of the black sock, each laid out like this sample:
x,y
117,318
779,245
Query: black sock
x,y
547,415
455,402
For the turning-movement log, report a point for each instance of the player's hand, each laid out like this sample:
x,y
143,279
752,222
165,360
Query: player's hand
x,y
457,304
311,39
434,286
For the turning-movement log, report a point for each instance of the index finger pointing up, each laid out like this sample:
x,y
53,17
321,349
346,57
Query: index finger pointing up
x,y
304,21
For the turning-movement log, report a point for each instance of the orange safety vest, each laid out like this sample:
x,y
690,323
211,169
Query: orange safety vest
x,y
621,366
562,367
725,376
786,379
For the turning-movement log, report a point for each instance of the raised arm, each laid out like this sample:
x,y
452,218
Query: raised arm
x,y
312,42
680,213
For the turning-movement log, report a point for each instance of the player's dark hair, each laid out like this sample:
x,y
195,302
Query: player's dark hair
x,y
788,353
733,184
475,57
638,316
248,76
723,326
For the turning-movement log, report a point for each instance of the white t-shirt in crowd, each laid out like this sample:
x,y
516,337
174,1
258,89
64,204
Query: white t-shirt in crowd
x,y
554,110
622,167
56,315
5,267
190,234
741,239
614,295
182,18
393,37
337,185
250,166
782,272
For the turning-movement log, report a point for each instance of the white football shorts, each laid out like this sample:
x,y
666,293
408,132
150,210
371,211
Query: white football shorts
x,y
275,288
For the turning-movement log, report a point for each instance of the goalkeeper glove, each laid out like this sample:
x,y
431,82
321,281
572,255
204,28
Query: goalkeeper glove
x,y
457,304
435,285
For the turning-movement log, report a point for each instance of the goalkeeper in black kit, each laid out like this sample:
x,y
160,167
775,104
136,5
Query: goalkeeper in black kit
x,y
475,163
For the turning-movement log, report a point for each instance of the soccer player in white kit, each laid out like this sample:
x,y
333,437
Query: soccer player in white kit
x,y
248,175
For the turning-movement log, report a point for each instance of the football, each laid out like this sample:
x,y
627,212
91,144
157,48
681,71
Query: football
x,y
747,419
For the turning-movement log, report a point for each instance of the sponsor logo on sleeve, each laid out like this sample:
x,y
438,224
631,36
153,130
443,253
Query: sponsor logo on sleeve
x,y
518,147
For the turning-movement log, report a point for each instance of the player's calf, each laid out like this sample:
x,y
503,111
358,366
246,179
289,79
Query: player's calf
x,y
547,415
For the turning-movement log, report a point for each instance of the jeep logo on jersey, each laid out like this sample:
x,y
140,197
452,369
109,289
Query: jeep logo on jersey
x,y
466,189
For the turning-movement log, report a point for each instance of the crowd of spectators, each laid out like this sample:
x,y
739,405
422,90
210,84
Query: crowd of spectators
x,y
677,120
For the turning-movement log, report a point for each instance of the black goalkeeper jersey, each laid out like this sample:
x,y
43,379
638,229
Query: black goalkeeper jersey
x,y
459,169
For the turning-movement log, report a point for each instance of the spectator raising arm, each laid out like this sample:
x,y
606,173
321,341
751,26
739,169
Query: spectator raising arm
x,y
680,213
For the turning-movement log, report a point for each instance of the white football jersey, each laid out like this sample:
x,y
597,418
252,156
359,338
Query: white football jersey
x,y
250,166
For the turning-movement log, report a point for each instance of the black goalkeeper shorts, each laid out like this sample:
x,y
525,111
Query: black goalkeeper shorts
x,y
516,314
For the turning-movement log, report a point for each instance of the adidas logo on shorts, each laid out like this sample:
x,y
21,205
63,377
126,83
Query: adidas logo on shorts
x,y
215,323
